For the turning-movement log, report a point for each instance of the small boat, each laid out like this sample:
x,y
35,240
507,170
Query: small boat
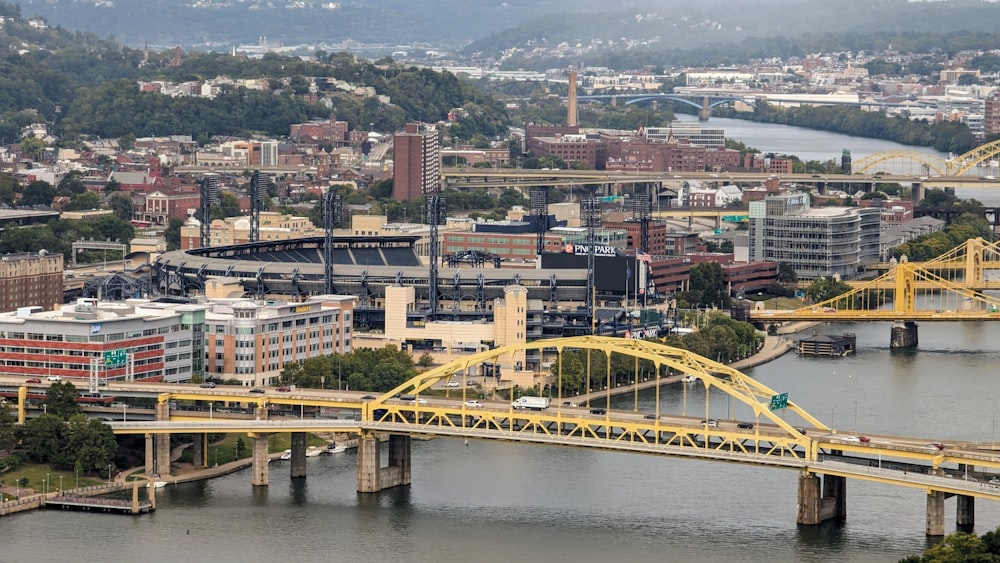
x,y
287,454
334,448
689,379
313,451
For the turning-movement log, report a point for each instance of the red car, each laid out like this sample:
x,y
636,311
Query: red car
x,y
864,439
284,389
33,380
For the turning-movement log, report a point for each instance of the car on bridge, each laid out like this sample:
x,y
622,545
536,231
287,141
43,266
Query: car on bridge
x,y
651,416
936,445
33,380
284,389
710,422
848,438
745,426
474,404
208,385
257,391
598,411
367,397
55,378
453,384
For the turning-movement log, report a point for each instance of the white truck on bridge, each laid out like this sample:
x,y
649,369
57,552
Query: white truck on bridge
x,y
533,403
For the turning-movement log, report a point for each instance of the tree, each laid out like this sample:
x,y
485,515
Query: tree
x,y
229,206
123,206
60,400
89,442
38,192
173,233
44,437
34,147
86,200
786,273
824,288
8,427
112,186
72,184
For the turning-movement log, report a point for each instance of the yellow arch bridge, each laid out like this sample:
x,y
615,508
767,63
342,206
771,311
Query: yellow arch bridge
x,y
903,161
780,435
947,288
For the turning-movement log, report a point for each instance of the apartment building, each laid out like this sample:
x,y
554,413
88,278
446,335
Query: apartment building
x,y
416,165
31,279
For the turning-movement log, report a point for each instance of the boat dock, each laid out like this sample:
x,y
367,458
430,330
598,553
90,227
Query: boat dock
x,y
99,503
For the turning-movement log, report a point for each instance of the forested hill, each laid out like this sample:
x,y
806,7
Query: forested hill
x,y
691,25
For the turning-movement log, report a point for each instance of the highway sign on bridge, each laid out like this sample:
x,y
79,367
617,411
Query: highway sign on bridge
x,y
114,358
779,401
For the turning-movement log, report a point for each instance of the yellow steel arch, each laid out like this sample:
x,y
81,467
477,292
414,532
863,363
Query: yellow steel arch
x,y
711,374
870,164
968,161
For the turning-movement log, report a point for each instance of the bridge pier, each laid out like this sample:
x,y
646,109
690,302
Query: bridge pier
x,y
965,516
917,192
815,507
162,442
903,334
199,450
371,477
935,514
298,461
260,459
150,467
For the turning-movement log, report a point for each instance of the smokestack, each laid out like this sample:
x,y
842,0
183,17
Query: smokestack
x,y
571,100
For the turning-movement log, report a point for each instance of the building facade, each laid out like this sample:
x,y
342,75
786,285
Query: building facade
x,y
826,241
252,342
132,340
416,164
31,279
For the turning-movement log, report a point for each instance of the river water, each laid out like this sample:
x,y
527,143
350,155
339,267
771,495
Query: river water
x,y
489,501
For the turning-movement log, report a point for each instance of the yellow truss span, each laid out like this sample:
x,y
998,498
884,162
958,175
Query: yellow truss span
x,y
957,166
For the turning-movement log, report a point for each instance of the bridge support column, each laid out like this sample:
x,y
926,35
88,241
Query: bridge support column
x,y
935,514
371,477
368,463
818,504
150,466
965,516
903,334
917,192
260,459
199,451
135,497
298,465
162,442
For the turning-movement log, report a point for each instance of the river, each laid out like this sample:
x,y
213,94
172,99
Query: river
x,y
489,501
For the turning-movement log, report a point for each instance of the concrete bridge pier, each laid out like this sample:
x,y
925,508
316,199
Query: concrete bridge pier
x,y
903,334
260,459
917,192
199,450
373,478
817,505
935,514
705,112
965,517
150,466
298,461
162,442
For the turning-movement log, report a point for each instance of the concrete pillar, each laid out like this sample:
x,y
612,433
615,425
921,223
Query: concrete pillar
x,y
162,442
135,497
260,413
368,464
935,514
917,192
903,335
835,494
399,456
150,455
809,501
298,461
199,450
260,459
819,501
965,516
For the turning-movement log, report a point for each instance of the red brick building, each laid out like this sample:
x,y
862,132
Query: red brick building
x,y
416,164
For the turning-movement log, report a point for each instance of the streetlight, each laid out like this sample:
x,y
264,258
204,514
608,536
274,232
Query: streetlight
x,y
48,479
210,410
109,472
60,483
77,471
216,456
237,454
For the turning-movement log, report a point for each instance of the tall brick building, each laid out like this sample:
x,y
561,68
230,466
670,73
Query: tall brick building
x,y
31,280
416,165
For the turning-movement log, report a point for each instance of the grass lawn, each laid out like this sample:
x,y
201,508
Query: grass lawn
x,y
38,473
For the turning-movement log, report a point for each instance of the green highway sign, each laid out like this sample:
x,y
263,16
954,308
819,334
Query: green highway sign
x,y
779,401
113,358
